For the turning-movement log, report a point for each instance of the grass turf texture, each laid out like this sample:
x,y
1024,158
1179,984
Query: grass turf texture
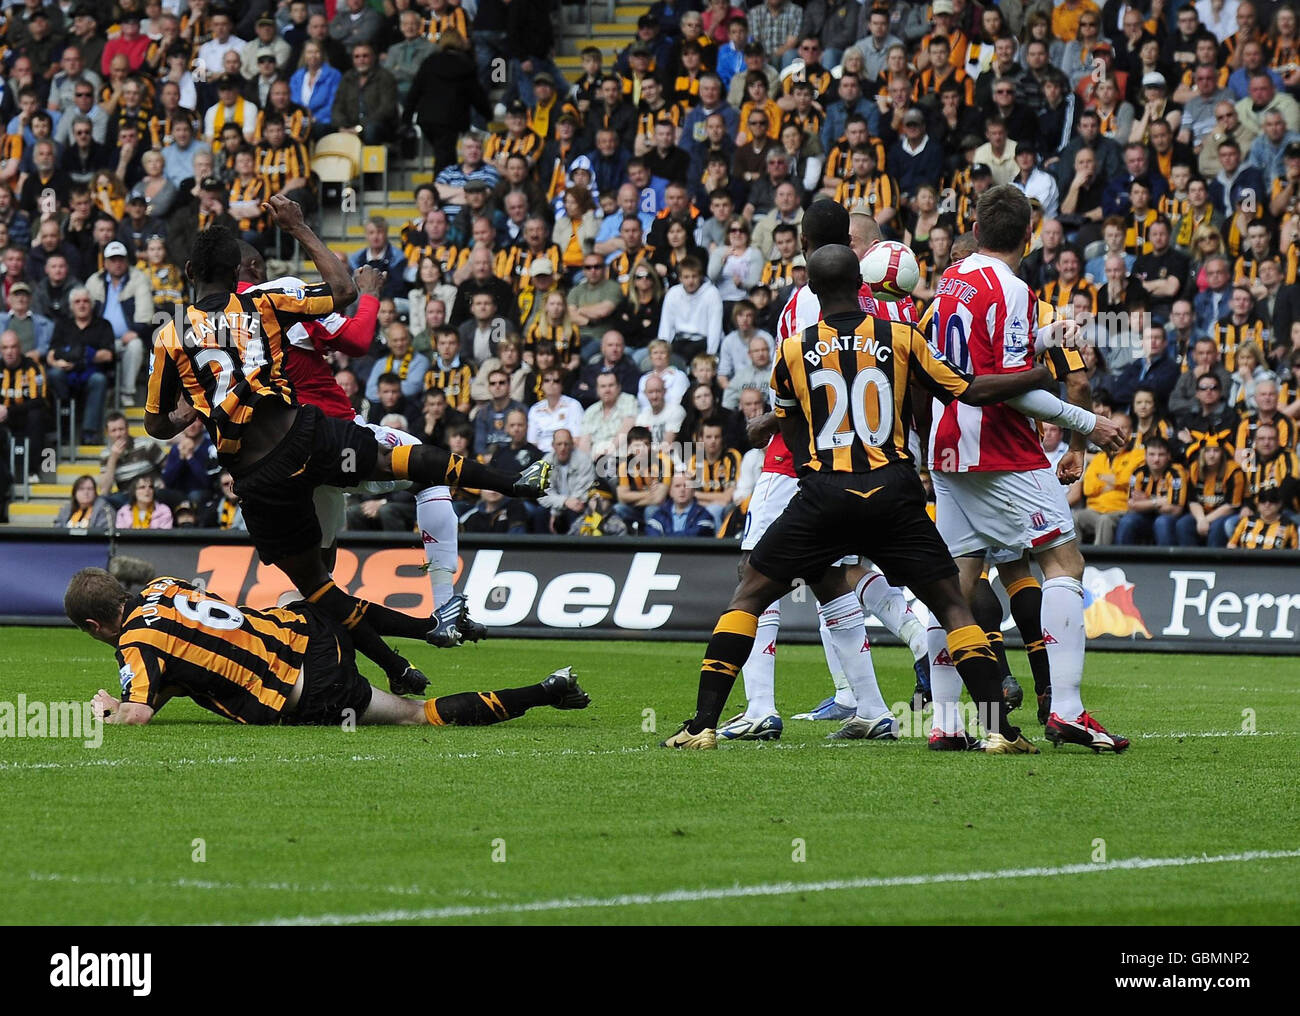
x,y
400,823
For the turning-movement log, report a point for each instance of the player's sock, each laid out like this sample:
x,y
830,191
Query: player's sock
x,y
988,615
349,612
945,683
437,522
888,604
481,708
978,667
1027,610
759,672
848,632
843,693
733,638
432,466
1063,633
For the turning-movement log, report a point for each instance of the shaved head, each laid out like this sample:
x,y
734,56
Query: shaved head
x,y
963,245
864,233
252,268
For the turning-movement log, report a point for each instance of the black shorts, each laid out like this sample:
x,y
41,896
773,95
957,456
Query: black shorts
x,y
332,685
878,515
276,491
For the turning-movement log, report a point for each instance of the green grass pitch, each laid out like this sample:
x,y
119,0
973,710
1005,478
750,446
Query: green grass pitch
x,y
576,818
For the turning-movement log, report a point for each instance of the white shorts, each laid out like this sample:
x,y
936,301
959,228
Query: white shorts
x,y
1003,513
331,508
772,493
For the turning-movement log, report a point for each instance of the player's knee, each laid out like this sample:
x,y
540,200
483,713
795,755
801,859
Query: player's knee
x,y
1063,561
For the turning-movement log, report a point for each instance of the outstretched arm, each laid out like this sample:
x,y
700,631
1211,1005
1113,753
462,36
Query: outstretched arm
x,y
288,216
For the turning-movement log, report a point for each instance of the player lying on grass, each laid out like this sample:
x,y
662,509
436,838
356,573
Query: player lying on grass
x,y
226,362
858,494
287,665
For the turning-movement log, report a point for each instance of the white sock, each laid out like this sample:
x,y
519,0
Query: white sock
x,y
848,635
437,521
843,693
945,684
759,673
1063,633
889,605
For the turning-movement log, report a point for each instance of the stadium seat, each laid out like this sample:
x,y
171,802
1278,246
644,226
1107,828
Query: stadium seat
x,y
342,143
374,159
340,170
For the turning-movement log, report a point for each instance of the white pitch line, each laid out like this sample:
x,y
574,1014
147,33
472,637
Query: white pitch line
x,y
496,753
219,886
770,889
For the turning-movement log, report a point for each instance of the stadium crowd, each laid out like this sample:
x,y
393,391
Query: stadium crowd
x,y
595,274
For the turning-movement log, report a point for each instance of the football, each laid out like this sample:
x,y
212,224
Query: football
x,y
890,269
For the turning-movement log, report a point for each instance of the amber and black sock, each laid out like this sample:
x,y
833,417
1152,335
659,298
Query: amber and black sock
x,y
431,466
482,708
1027,610
978,667
988,615
729,648
350,613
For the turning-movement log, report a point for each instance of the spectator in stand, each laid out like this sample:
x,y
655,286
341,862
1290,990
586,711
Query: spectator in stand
x,y
80,356
508,359
313,86
1157,497
404,57
553,412
662,418
754,372
34,331
124,299
612,357
1269,530
608,420
637,316
1211,418
643,476
381,253
682,514
518,453
1105,487
496,513
436,419
125,459
600,517
24,402
691,321
356,23
490,420
594,300
445,89
1217,489
572,476
1204,358
187,470
85,509
1156,369
714,468
390,401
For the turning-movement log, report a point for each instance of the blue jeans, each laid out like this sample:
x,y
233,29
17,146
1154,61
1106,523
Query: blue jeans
x,y
1187,534
1146,527
1221,529
91,388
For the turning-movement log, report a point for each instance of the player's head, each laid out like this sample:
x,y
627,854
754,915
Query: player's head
x,y
833,274
252,267
864,232
825,222
94,601
1002,220
214,258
